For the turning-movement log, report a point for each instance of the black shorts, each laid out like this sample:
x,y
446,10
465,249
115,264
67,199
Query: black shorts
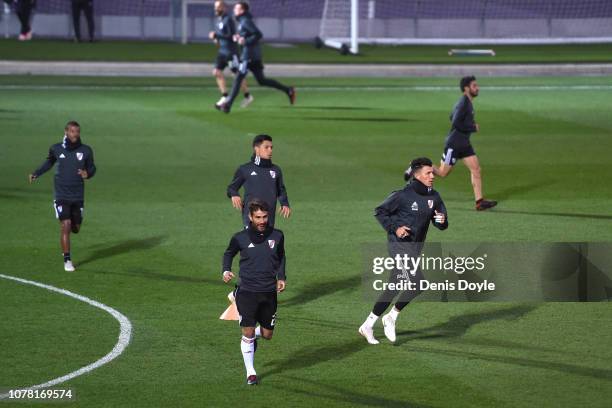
x,y
256,307
69,210
252,65
453,153
224,61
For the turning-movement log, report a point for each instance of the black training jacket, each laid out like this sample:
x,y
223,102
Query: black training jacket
x,y
262,258
69,185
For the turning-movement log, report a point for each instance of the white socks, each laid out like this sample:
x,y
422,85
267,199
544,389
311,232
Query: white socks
x,y
369,322
258,332
394,313
247,346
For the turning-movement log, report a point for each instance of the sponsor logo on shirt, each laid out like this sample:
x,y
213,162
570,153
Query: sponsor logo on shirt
x,y
251,245
62,156
415,206
253,173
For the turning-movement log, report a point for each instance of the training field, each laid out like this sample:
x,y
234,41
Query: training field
x,y
157,222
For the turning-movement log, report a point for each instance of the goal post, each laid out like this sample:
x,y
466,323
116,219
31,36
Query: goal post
x,y
185,16
345,24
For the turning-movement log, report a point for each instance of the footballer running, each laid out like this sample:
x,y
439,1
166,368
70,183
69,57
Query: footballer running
x,y
249,37
405,215
458,146
75,164
227,54
262,180
260,278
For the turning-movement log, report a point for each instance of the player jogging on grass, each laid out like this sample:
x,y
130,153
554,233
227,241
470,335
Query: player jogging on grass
x,y
75,164
261,276
458,146
406,215
227,54
248,37
261,180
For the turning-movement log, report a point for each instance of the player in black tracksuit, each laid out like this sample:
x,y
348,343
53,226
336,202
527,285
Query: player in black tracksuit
x,y
458,146
75,163
227,53
249,37
405,215
261,180
261,276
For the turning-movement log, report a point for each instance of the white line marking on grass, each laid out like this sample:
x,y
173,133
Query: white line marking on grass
x,y
433,88
125,334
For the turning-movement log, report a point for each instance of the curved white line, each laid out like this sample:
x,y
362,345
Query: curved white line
x,y
125,334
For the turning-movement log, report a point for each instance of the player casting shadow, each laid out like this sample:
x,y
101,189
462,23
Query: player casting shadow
x,y
317,290
142,273
310,356
131,245
555,214
335,393
521,189
457,326
20,193
596,373
331,108
351,119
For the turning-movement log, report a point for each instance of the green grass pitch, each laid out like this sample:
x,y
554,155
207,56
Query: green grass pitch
x,y
139,51
157,221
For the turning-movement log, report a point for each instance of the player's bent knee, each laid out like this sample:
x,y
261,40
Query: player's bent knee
x,y
267,335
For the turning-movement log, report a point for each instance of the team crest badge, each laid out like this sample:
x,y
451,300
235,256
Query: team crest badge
x,y
271,243
430,203
273,173
79,156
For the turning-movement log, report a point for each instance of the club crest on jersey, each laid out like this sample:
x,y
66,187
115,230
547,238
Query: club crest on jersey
x,y
415,206
273,173
271,243
79,156
221,25
430,203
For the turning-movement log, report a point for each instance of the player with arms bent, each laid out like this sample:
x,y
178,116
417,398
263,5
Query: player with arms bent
x,y
261,276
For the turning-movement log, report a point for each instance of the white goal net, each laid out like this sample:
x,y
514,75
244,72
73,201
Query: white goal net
x,y
348,23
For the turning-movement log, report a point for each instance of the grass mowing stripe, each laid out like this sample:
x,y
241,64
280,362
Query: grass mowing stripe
x,y
304,88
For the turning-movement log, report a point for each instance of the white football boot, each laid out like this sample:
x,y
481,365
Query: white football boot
x,y
68,266
389,326
368,333
221,101
247,101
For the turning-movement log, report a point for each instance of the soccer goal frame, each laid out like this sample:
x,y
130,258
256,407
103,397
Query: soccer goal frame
x,y
351,43
185,17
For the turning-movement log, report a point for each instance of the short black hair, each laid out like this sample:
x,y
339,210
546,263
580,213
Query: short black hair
x,y
256,205
415,165
72,123
244,5
259,139
466,81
